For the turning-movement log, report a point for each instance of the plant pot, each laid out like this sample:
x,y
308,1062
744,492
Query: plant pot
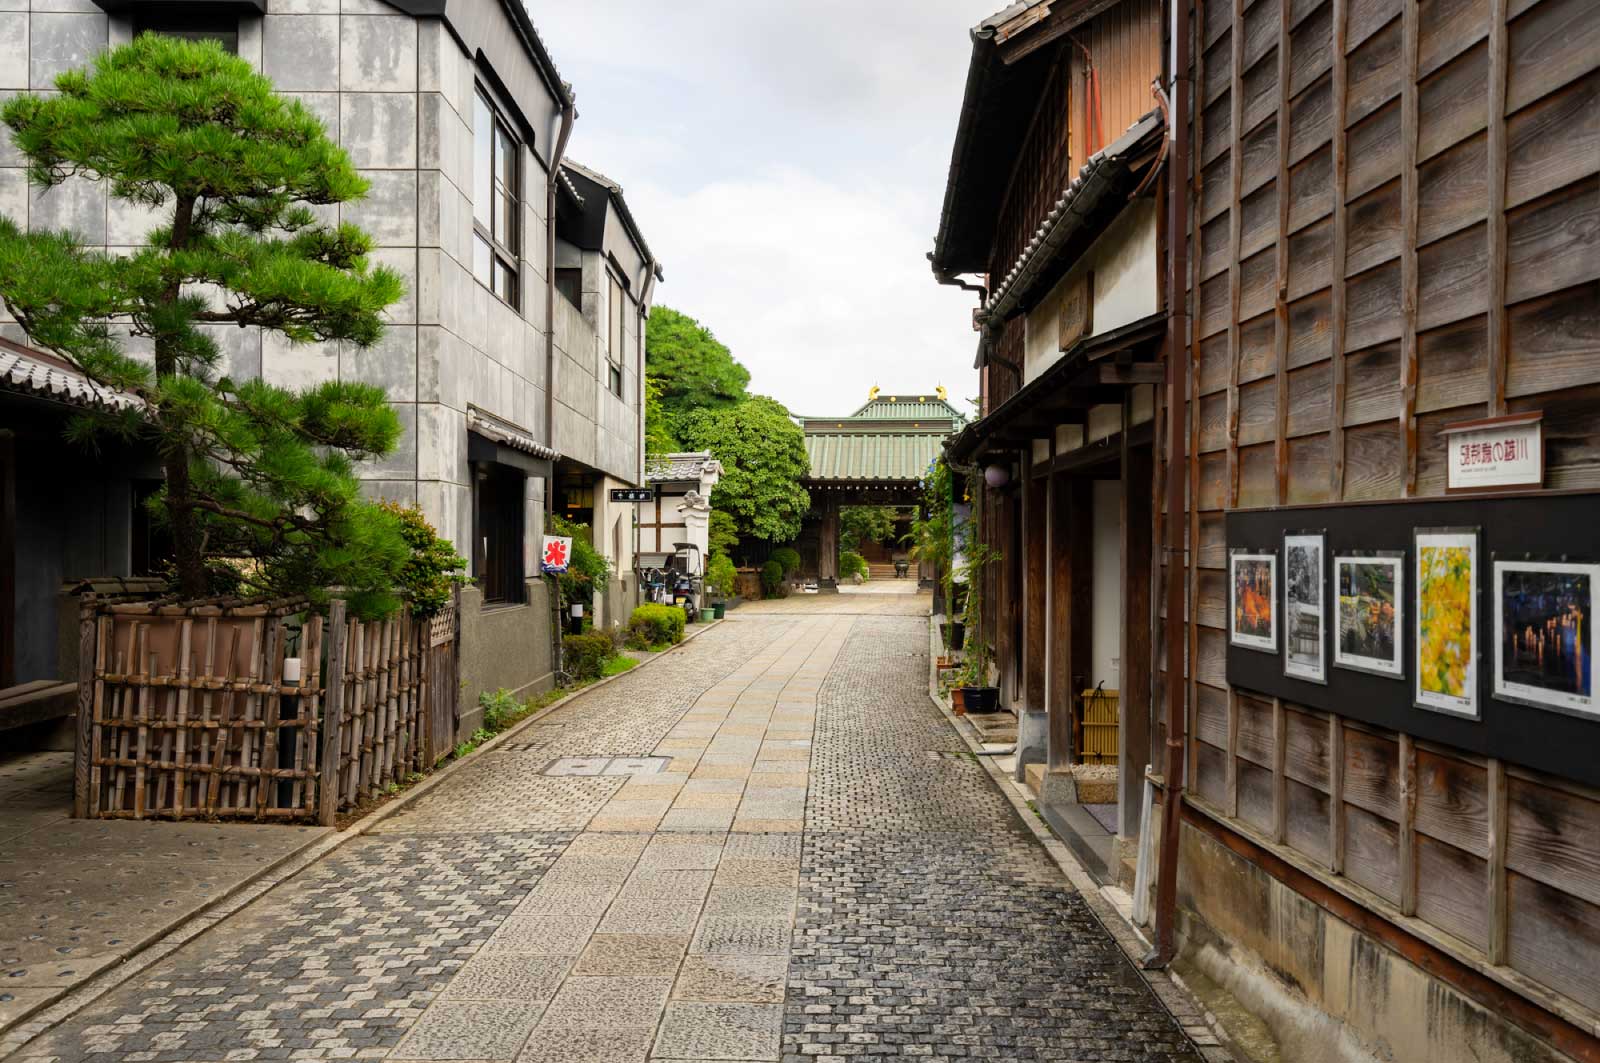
x,y
718,609
954,633
958,701
980,699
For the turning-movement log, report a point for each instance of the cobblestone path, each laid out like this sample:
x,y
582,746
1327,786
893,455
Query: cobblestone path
x,y
766,846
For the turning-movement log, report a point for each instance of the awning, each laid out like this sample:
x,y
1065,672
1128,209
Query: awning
x,y
1098,370
44,376
494,439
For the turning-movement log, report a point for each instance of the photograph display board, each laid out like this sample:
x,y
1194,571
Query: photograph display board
x,y
1467,621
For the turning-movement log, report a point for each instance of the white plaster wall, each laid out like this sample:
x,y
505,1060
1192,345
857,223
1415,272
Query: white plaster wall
x,y
1126,286
1106,644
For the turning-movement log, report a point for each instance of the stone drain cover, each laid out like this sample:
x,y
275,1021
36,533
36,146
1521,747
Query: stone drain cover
x,y
606,765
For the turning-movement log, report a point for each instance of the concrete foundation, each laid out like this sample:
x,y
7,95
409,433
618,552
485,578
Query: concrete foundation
x,y
1327,992
503,647
1033,739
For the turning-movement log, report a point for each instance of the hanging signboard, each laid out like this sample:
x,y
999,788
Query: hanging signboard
x,y
557,553
1495,453
633,494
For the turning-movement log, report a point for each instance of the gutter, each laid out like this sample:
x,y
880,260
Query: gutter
x,y
569,114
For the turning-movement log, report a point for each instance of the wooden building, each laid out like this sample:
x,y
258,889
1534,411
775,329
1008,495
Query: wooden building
x,y
1394,212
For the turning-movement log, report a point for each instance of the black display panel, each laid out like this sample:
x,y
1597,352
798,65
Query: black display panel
x,y
1548,724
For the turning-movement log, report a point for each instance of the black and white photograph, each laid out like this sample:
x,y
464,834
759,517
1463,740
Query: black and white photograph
x,y
1304,608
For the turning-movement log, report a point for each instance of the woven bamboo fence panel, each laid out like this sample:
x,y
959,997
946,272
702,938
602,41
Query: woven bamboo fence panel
x,y
1101,723
191,715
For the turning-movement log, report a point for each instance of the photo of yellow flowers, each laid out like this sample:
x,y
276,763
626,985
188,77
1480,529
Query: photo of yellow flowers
x,y
1446,612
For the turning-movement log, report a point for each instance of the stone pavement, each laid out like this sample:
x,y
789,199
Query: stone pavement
x,y
77,896
768,845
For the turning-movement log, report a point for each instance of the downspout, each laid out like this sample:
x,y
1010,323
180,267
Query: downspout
x,y
645,291
569,114
1177,510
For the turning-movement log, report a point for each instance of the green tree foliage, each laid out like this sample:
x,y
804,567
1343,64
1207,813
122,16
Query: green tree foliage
x,y
852,564
859,525
695,370
721,576
763,455
255,474
658,437
433,568
723,534
587,569
789,558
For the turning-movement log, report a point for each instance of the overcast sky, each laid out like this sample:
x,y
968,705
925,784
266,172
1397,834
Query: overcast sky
x,y
786,161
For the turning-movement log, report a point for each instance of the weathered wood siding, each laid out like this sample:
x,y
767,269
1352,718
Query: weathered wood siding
x,y
1396,226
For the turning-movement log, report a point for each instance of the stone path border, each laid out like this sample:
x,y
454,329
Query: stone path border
x,y
1201,1026
166,940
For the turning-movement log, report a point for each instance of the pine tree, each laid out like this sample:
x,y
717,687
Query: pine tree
x,y
260,480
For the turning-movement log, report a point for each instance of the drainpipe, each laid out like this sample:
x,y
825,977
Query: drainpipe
x,y
1177,510
650,270
569,114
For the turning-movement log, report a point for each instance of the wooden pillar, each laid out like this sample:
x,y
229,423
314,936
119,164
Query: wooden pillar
x,y
1035,528
1072,571
8,558
1133,735
332,729
1057,687
828,542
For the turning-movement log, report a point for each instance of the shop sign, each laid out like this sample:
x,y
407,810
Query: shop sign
x,y
557,553
1495,453
633,494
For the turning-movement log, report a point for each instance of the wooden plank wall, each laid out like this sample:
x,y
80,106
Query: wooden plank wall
x,y
1396,226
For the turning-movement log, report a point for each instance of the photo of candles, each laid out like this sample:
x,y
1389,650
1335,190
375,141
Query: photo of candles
x,y
1546,645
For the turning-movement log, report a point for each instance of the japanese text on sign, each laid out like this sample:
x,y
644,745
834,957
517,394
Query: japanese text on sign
x,y
557,552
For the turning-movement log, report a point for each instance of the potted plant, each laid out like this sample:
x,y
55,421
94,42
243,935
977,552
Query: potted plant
x,y
722,579
976,692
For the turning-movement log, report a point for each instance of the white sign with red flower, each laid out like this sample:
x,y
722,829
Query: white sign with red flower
x,y
557,553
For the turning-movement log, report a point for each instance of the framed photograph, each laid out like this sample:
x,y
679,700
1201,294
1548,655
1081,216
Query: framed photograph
x,y
1367,612
1544,634
1446,612
1252,600
1305,610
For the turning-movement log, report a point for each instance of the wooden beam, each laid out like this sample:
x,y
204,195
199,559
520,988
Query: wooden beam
x,y
1133,735
1132,373
1280,301
1408,248
8,558
1035,526
1280,778
1231,780
332,714
1499,329
1408,825
1498,912
1033,34
1340,81
1059,750
1335,794
1235,224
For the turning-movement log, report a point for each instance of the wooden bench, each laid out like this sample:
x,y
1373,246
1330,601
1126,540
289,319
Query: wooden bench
x,y
37,702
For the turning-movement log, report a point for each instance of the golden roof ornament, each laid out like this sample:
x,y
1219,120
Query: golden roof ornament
x,y
944,396
872,393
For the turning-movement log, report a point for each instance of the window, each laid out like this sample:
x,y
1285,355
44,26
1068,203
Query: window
x,y
188,23
495,206
616,307
569,282
497,524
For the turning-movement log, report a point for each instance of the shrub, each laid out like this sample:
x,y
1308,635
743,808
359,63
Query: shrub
x,y
852,564
434,566
789,558
652,625
499,708
772,577
722,577
584,656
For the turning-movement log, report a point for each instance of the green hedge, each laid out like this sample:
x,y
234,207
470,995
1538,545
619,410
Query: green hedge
x,y
789,558
851,563
584,656
652,625
772,578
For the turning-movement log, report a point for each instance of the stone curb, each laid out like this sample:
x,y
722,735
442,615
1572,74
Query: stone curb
x,y
1206,1034
162,942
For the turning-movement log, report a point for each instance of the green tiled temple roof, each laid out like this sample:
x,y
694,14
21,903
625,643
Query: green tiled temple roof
x,y
899,406
839,455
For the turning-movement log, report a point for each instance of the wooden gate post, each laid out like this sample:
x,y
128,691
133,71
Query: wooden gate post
x,y
87,647
332,716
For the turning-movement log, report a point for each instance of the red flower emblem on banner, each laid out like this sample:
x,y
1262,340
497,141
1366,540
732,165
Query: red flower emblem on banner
x,y
555,554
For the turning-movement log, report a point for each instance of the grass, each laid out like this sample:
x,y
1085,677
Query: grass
x,y
617,665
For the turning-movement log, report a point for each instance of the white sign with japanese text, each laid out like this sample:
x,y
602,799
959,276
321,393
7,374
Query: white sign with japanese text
x,y
1509,453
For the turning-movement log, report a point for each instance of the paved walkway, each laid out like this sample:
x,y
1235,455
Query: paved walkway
x,y
768,845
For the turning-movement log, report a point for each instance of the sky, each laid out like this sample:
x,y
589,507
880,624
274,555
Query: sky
x,y
786,161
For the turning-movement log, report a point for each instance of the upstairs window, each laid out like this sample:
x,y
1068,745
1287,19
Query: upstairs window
x,y
495,204
617,303
189,23
569,282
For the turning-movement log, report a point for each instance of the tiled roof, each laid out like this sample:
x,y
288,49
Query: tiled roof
x,y
872,456
43,377
683,466
503,431
907,406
